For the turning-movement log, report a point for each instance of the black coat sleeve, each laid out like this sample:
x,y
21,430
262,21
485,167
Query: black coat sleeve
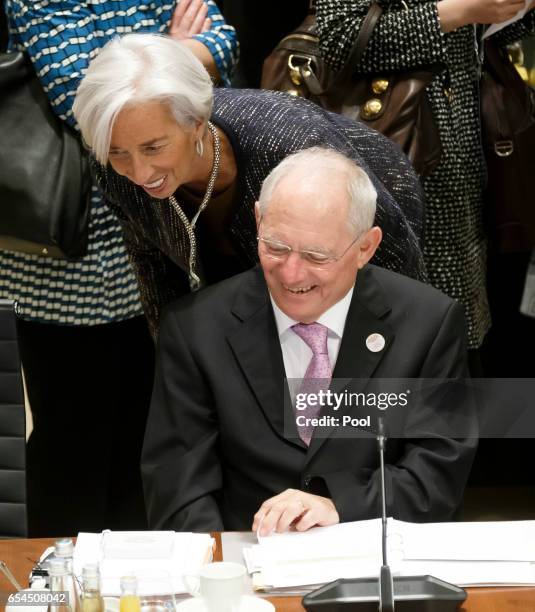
x,y
181,471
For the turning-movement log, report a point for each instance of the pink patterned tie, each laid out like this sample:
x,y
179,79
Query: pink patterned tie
x,y
318,374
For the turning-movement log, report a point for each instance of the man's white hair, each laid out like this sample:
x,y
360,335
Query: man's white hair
x,y
135,69
318,162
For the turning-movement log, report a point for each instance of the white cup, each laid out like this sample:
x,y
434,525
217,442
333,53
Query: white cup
x,y
220,585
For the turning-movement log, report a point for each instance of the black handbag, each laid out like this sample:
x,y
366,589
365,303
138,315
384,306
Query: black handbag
x,y
45,184
508,133
394,104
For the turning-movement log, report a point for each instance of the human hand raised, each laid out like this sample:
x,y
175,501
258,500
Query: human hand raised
x,y
492,11
190,18
454,14
294,508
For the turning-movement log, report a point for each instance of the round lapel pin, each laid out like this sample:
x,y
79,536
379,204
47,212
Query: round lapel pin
x,y
375,343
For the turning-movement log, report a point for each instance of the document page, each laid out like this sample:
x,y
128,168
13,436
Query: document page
x,y
466,554
484,541
322,554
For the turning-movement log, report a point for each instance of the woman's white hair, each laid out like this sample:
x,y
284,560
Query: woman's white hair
x,y
140,68
317,162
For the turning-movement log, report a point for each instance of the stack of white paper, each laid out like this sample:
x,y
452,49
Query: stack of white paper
x,y
471,554
466,554
319,555
158,559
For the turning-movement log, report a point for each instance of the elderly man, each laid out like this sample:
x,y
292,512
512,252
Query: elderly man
x,y
218,451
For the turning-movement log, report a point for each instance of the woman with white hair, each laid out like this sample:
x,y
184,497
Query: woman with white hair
x,y
182,165
84,343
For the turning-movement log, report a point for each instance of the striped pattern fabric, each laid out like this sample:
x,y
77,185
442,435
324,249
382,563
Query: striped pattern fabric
x,y
61,37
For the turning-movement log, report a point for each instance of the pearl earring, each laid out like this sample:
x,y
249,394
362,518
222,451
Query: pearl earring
x,y
199,147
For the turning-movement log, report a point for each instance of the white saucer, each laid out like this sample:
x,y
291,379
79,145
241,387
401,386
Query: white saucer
x,y
248,604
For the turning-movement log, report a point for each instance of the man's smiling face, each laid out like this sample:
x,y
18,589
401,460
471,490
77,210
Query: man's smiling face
x,y
309,215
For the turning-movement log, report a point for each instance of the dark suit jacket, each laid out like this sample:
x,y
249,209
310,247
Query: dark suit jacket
x,y
215,447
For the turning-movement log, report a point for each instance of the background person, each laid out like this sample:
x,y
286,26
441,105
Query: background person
x,y
260,28
423,33
217,452
85,347
183,165
3,29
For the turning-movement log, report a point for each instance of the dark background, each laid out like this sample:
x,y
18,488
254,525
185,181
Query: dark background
x,y
3,27
260,26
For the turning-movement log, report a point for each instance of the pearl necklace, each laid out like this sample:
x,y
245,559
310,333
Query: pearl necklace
x,y
194,280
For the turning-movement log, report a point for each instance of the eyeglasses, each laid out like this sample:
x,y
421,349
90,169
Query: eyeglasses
x,y
280,251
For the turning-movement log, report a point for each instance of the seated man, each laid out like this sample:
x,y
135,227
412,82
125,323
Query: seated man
x,y
216,456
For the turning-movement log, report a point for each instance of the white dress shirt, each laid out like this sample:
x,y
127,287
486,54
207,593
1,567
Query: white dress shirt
x,y
295,351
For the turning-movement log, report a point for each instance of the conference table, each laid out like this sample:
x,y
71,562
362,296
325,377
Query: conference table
x,y
20,556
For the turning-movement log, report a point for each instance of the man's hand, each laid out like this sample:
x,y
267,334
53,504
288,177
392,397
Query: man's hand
x,y
297,508
189,19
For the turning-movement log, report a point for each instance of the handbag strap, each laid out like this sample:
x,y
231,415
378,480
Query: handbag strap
x,y
497,64
345,75
365,33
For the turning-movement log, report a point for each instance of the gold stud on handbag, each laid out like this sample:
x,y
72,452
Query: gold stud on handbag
x,y
379,86
371,108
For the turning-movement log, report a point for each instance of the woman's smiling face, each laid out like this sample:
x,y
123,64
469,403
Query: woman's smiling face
x,y
152,150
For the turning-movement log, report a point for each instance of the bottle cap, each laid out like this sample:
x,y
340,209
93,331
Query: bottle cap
x,y
57,567
129,583
64,547
90,571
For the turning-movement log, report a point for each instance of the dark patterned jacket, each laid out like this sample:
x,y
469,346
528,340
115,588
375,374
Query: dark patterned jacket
x,y
408,35
265,127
